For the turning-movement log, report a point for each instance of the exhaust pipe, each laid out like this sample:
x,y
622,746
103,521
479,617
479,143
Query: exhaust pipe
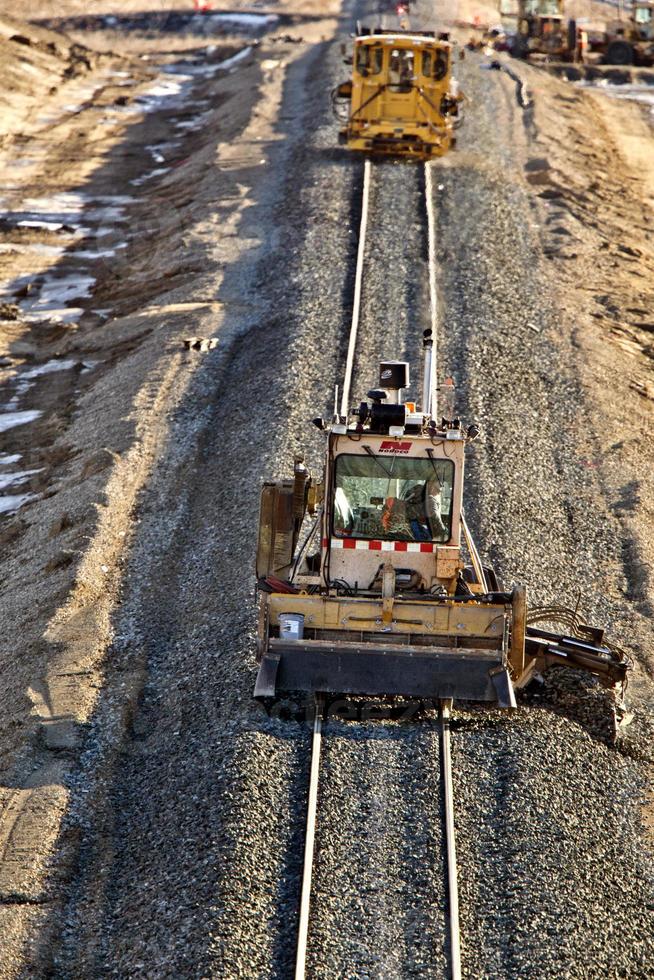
x,y
428,378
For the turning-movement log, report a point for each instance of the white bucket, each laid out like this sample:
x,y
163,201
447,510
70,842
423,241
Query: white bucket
x,y
291,626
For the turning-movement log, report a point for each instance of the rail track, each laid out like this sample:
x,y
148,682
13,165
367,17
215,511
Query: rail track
x,y
453,953
427,220
448,858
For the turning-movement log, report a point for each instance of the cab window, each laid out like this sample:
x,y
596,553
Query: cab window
x,y
435,64
393,498
400,71
369,59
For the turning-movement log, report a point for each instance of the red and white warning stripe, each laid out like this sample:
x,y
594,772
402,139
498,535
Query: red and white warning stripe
x,y
360,545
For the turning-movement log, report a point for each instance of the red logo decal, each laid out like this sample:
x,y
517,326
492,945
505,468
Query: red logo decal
x,y
390,446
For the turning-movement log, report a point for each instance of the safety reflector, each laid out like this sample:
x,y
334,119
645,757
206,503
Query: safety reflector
x,y
426,547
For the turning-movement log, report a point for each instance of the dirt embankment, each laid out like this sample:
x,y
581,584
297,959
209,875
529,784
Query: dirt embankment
x,y
35,63
595,192
125,178
588,164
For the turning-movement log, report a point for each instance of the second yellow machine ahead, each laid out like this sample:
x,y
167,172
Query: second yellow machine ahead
x,y
402,98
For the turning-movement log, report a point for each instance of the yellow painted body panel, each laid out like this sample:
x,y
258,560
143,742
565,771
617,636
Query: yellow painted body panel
x,y
464,620
403,101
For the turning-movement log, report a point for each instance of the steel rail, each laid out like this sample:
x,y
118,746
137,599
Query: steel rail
x,y
358,281
309,844
450,842
433,291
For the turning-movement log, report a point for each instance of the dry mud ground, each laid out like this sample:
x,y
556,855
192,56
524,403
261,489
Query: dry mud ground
x,y
148,260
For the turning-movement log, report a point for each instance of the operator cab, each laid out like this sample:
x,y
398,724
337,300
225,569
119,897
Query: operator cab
x,y
396,484
392,498
643,14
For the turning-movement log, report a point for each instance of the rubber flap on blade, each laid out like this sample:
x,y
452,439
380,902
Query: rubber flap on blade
x,y
266,685
503,688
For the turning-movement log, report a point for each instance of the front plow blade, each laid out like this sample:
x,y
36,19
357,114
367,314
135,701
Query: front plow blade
x,y
384,669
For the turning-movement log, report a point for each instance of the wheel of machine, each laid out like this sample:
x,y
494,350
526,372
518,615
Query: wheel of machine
x,y
619,53
518,47
572,37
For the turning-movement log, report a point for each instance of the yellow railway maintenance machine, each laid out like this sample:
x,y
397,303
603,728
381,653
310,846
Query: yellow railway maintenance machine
x,y
387,594
402,99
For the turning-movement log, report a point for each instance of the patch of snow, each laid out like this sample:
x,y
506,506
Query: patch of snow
x,y
105,214
246,20
9,505
234,60
114,199
66,315
157,172
632,92
15,479
57,292
45,225
48,368
36,247
166,92
68,202
195,123
94,256
10,420
156,156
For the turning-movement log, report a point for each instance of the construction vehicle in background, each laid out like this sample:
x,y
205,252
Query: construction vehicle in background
x,y
387,593
401,99
623,41
538,27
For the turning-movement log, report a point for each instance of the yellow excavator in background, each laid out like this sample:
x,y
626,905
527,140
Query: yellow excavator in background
x,y
623,41
539,27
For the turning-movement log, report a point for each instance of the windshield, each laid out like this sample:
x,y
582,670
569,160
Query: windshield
x,y
393,498
538,8
400,72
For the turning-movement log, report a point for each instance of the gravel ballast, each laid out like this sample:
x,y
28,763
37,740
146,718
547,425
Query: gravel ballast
x,y
190,836
554,878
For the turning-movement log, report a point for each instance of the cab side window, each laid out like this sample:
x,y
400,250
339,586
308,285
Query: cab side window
x,y
441,64
435,64
369,60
